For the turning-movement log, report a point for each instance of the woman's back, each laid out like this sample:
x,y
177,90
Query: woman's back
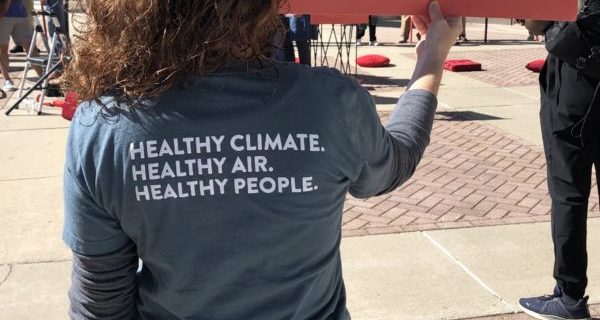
x,y
231,187
232,190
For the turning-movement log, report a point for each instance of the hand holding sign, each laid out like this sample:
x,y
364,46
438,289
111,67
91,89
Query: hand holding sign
x,y
439,34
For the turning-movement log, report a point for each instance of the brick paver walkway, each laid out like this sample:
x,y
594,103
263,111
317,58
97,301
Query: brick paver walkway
x,y
504,68
472,174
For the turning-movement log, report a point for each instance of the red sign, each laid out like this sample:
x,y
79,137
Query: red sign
x,y
553,10
339,19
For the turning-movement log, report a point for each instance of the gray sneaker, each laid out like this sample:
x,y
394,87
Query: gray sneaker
x,y
553,307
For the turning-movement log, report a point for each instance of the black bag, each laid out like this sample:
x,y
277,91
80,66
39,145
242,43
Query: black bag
x,y
570,42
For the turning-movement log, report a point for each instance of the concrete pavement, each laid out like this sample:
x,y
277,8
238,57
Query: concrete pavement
x,y
454,243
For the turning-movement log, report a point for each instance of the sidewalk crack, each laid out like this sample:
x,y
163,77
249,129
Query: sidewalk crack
x,y
472,275
10,269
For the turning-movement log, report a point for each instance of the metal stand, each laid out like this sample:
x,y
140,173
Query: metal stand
x,y
341,38
51,62
40,81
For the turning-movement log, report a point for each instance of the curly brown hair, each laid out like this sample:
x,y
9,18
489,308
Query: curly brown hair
x,y
140,49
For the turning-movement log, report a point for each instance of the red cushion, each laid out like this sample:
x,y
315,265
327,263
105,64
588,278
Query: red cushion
x,y
373,61
536,65
69,105
462,65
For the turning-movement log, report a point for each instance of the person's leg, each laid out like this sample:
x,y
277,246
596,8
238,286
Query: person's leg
x,y
372,33
405,28
4,65
304,52
571,154
290,54
57,8
6,28
569,179
360,31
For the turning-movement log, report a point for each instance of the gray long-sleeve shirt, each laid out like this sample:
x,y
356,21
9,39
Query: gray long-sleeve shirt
x,y
231,192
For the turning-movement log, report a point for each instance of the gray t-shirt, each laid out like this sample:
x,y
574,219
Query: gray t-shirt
x,y
232,188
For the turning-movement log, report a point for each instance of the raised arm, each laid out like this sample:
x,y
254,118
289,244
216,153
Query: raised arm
x,y
391,155
439,33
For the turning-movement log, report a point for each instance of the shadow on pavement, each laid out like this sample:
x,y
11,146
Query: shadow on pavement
x,y
464,116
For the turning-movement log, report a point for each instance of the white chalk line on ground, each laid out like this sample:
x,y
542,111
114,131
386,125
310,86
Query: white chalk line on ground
x,y
30,178
469,272
522,93
28,263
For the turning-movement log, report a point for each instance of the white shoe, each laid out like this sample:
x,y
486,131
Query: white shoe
x,y
374,43
358,43
9,86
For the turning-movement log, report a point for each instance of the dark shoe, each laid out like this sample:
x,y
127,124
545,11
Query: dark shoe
x,y
553,307
16,49
531,38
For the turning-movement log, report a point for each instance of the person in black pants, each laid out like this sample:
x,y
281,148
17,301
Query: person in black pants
x,y
361,29
299,31
570,119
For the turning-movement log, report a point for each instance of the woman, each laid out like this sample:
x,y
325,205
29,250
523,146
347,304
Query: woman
x,y
224,171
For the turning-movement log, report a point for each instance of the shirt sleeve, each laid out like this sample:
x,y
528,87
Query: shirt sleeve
x,y
88,228
390,155
104,287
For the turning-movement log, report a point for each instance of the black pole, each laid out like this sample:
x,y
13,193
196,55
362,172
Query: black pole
x,y
38,83
485,37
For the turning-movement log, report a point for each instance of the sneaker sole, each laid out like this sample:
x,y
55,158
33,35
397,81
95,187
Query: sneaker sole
x,y
547,317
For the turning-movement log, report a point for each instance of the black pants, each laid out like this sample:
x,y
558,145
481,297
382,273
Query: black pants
x,y
361,29
571,134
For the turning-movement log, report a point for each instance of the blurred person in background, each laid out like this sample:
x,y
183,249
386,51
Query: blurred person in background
x,y
405,29
300,32
17,48
57,8
362,29
15,22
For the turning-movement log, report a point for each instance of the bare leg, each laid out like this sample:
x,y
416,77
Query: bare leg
x,y
4,62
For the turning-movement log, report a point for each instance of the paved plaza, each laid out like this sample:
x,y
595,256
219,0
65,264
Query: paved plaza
x,y
463,239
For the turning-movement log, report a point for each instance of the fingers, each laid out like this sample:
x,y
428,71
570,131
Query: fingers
x,y
435,12
455,24
421,24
